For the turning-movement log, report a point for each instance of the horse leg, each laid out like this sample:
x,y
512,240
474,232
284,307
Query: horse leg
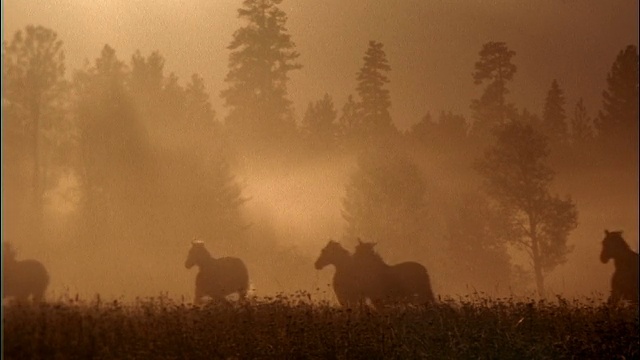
x,y
198,297
38,295
615,297
242,294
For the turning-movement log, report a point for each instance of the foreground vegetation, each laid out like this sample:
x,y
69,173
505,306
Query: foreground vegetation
x,y
294,327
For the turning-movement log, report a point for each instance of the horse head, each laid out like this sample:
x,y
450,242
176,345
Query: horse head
x,y
333,252
612,245
196,254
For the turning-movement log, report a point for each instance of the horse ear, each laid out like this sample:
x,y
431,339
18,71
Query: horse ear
x,y
359,241
606,232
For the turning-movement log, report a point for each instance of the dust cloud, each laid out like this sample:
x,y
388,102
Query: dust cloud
x,y
133,156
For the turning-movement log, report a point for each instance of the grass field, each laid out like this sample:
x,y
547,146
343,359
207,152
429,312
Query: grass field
x,y
292,327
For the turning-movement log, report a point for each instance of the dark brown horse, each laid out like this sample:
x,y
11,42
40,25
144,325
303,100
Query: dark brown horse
x,y
217,278
23,279
364,276
345,279
404,283
624,283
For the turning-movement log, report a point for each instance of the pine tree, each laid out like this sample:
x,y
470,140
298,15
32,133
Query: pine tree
x,y
617,123
319,124
374,98
554,118
581,124
350,122
262,55
496,69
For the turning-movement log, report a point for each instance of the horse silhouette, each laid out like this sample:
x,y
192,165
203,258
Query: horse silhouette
x,y
345,280
404,283
24,279
624,282
217,278
365,276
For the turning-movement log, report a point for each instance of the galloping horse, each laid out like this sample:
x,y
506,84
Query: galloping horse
x,y
345,279
217,278
624,283
23,279
407,282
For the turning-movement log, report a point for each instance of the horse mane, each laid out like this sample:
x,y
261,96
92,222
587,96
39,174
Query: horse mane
x,y
616,239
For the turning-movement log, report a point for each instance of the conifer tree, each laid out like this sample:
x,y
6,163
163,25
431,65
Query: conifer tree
x,y
375,100
496,69
617,123
554,118
319,124
262,55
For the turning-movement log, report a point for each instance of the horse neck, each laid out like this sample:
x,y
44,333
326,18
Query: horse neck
x,y
204,260
342,261
626,258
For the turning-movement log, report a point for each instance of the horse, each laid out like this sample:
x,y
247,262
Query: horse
x,y
345,279
217,278
624,282
24,279
407,282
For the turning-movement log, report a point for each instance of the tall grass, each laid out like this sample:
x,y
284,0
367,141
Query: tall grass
x,y
292,327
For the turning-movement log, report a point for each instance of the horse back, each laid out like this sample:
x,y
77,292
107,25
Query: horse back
x,y
229,270
27,271
24,278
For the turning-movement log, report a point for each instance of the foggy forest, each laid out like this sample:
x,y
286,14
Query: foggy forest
x,y
491,142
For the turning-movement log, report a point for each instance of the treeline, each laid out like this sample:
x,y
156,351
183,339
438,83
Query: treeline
x,y
140,156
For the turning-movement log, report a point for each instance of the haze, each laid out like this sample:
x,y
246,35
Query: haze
x,y
295,206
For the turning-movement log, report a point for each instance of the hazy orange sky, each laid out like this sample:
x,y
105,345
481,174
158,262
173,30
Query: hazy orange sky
x,y
431,45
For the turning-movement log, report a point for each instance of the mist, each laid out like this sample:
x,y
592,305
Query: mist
x,y
149,139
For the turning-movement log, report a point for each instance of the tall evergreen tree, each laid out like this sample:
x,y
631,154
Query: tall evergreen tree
x,y
262,55
581,124
554,118
496,69
617,123
33,98
350,121
374,98
518,178
319,124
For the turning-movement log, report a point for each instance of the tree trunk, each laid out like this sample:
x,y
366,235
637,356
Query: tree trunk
x,y
37,206
537,266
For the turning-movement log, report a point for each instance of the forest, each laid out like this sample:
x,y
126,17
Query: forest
x,y
111,170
